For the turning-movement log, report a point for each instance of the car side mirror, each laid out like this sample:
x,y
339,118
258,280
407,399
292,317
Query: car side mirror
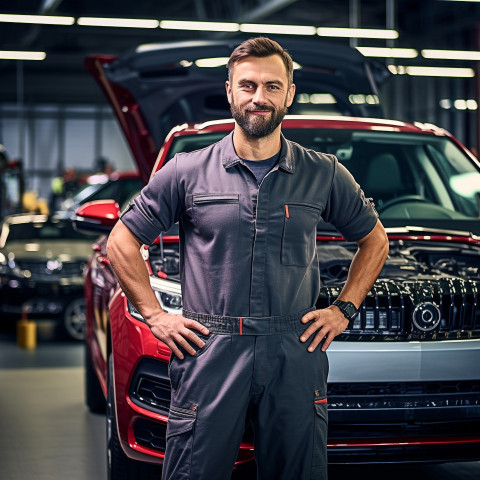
x,y
99,216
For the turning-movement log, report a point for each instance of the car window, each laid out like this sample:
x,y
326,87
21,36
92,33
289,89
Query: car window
x,y
190,143
118,190
407,175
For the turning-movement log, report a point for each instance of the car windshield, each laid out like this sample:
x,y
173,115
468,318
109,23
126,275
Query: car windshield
x,y
40,230
412,178
86,191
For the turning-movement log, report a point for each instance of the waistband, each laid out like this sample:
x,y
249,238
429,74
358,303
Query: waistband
x,y
249,325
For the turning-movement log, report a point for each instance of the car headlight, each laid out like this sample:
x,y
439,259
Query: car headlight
x,y
169,296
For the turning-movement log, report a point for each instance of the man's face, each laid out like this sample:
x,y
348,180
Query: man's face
x,y
259,94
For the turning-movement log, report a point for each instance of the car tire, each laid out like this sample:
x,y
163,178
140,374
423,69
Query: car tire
x,y
74,319
119,466
94,396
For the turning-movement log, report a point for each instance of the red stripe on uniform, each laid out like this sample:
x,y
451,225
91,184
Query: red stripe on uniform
x,y
323,400
241,325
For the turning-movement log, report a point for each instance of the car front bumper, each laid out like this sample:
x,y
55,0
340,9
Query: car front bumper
x,y
388,402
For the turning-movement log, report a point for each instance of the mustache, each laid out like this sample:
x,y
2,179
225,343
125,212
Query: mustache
x,y
260,108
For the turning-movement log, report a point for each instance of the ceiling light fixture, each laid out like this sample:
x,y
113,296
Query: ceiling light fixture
x,y
279,29
357,33
432,71
451,54
202,26
37,19
18,55
117,22
211,62
388,52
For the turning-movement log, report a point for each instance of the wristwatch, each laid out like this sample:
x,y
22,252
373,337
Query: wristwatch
x,y
348,309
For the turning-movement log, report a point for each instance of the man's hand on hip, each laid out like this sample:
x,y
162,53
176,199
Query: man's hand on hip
x,y
326,324
174,330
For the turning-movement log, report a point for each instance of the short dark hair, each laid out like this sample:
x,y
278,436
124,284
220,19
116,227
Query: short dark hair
x,y
260,47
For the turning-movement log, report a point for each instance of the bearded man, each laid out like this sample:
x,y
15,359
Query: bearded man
x,y
250,343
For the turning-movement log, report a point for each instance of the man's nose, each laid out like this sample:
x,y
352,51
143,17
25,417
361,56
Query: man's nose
x,y
259,96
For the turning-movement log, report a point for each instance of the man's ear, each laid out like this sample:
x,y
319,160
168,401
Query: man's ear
x,y
290,95
228,88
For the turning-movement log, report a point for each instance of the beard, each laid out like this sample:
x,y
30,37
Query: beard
x,y
258,126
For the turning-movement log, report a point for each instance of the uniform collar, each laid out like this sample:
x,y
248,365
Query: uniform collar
x,y
230,158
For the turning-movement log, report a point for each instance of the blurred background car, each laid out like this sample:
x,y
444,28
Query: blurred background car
x,y
404,384
118,186
42,260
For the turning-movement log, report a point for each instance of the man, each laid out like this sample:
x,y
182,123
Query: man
x,y
250,343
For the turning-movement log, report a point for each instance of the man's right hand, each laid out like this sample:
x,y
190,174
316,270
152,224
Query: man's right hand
x,y
174,330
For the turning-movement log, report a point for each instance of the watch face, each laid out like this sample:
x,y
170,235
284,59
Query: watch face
x,y
351,310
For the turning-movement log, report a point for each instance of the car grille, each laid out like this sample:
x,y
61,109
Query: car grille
x,y
43,270
447,308
150,434
464,393
150,386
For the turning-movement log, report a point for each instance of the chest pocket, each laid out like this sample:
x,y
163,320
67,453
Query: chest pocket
x,y
299,239
216,215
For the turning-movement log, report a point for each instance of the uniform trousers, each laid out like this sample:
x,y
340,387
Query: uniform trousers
x,y
254,370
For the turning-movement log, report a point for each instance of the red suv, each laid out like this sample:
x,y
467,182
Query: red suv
x,y
414,394
414,391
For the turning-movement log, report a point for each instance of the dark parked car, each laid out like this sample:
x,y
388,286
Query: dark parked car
x,y
118,186
41,271
404,382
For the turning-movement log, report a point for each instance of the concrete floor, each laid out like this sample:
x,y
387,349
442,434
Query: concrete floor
x,y
48,434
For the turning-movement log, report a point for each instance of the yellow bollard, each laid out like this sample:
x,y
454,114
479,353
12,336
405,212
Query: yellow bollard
x,y
26,332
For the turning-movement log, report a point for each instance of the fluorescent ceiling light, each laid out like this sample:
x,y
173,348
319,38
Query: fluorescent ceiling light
x,y
451,54
357,33
117,22
432,71
280,29
12,55
202,26
388,52
211,62
37,19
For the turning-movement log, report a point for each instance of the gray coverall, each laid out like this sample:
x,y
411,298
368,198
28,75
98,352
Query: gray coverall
x,y
249,272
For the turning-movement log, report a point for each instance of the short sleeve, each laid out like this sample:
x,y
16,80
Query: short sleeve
x,y
347,209
157,207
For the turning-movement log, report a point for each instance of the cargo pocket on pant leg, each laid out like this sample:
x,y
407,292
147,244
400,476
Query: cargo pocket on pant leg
x,y
180,431
319,462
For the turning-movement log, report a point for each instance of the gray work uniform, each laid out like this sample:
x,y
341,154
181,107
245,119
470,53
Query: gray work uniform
x,y
249,272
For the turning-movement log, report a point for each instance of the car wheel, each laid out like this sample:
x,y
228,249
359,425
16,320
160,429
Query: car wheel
x,y
119,466
74,319
94,397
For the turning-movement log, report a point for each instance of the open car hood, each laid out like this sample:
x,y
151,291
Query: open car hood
x,y
157,86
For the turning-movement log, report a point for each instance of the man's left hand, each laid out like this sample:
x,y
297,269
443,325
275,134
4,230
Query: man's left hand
x,y
327,323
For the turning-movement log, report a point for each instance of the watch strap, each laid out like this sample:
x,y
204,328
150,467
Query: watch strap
x,y
348,309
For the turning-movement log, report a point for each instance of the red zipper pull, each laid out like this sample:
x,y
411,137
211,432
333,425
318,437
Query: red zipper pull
x,y
287,214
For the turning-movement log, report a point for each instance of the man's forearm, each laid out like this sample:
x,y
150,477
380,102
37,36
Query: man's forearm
x,y
123,250
366,265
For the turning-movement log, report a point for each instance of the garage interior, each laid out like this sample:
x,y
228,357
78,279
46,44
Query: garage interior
x,y
54,119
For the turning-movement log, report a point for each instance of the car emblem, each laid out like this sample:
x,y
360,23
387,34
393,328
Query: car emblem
x,y
426,316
